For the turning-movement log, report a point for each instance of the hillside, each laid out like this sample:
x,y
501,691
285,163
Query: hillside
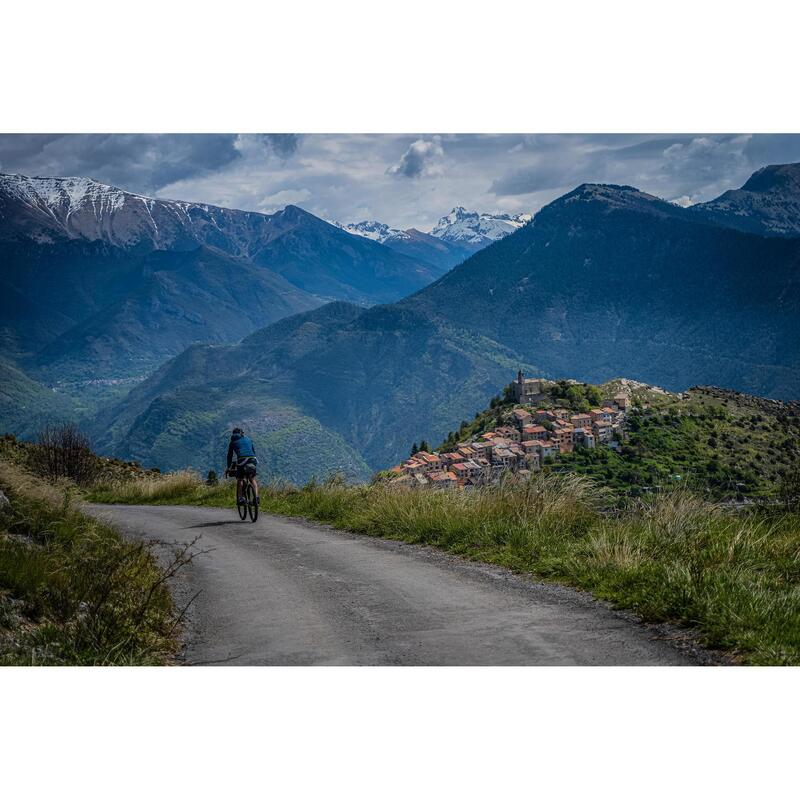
x,y
767,204
26,406
182,298
367,376
608,280
726,444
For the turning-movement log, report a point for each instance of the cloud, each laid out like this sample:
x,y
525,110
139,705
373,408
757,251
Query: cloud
x,y
422,158
137,162
345,176
285,197
283,145
706,157
684,201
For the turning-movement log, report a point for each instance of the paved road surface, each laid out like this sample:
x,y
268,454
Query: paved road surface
x,y
283,591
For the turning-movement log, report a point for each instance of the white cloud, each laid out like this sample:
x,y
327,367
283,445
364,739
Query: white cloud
x,y
286,197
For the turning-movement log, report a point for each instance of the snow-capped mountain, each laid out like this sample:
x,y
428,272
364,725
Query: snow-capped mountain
x,y
310,253
472,228
439,254
372,229
456,236
55,209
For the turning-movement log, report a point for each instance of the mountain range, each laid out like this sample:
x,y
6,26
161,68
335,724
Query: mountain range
x,y
606,281
97,281
454,238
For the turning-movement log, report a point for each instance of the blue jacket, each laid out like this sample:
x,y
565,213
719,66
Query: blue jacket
x,y
242,447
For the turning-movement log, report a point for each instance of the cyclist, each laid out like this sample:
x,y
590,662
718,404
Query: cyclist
x,y
242,448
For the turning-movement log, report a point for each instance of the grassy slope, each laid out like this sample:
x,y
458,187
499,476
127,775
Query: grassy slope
x,y
734,578
72,590
722,444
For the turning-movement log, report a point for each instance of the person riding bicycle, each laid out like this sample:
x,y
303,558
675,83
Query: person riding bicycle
x,y
245,464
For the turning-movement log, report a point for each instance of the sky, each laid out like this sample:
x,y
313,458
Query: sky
x,y
400,179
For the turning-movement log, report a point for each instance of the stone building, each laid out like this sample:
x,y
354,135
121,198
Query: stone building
x,y
527,390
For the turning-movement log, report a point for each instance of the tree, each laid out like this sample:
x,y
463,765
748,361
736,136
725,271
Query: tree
x,y
211,479
423,446
414,449
593,395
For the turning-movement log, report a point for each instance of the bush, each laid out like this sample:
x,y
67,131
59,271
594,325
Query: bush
x,y
64,452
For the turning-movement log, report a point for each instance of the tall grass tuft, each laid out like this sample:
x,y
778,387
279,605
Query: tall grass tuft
x,y
172,488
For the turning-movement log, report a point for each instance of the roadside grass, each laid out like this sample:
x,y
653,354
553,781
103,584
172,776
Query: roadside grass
x,y
173,488
72,590
734,578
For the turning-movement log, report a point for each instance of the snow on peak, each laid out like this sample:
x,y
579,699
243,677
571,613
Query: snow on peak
x,y
69,193
372,229
471,227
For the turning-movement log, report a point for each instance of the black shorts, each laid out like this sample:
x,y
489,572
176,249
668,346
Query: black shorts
x,y
246,468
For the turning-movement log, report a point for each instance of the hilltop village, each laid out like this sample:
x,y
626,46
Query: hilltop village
x,y
532,434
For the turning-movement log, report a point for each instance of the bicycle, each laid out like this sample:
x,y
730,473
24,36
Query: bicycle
x,y
250,502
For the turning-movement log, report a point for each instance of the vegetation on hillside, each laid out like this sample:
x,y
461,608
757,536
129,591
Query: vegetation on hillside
x,y
732,577
26,405
72,590
723,444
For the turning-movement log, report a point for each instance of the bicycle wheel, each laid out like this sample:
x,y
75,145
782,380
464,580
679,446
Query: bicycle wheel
x,y
252,505
242,507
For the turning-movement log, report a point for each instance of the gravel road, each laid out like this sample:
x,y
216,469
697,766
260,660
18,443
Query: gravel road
x,y
291,592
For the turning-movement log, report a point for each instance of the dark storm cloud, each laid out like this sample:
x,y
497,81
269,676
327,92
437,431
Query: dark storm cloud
x,y
781,148
137,162
283,144
421,158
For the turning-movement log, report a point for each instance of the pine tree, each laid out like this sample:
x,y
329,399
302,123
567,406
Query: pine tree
x,y
423,445
414,449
